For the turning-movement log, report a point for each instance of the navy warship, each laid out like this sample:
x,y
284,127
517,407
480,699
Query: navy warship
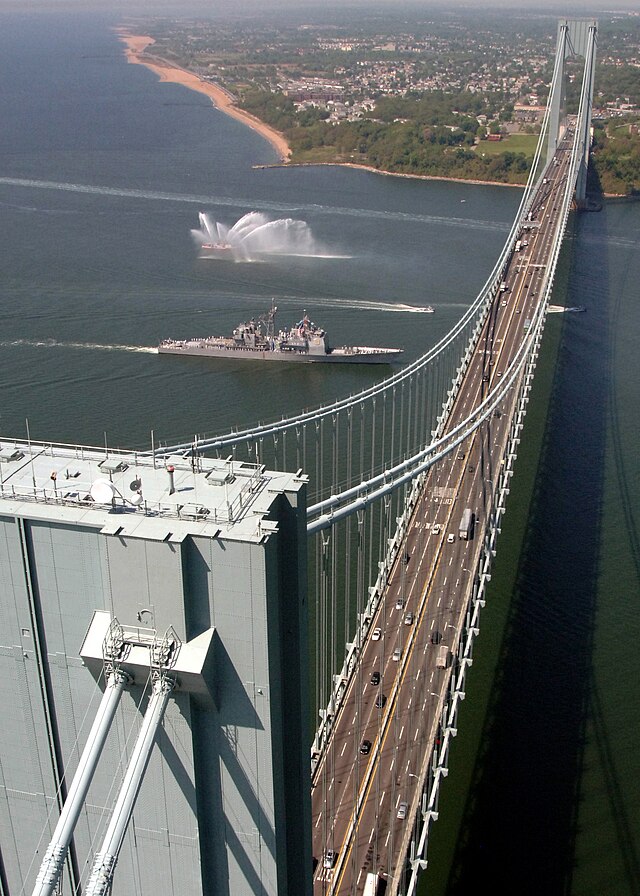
x,y
258,340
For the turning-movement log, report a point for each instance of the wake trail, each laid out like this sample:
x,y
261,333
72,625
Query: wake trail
x,y
359,304
475,224
93,346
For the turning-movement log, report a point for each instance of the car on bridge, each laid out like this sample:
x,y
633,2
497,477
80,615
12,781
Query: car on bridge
x,y
375,677
380,701
408,618
402,810
365,747
436,637
397,653
330,857
376,634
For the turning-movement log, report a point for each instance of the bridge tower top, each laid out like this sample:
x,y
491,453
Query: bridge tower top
x,y
576,37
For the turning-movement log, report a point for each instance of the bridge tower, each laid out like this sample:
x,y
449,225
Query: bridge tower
x,y
576,37
178,588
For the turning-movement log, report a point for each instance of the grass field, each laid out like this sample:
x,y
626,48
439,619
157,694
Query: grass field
x,y
524,143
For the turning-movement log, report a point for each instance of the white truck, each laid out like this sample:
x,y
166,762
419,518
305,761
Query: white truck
x,y
466,525
372,885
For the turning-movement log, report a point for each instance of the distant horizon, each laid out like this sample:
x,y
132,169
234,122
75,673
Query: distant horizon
x,y
221,7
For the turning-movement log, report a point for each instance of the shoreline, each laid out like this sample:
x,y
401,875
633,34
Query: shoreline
x,y
135,46
451,180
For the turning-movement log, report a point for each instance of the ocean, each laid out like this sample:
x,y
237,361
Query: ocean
x,y
103,174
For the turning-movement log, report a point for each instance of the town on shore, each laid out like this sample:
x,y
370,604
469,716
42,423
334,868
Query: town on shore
x,y
459,96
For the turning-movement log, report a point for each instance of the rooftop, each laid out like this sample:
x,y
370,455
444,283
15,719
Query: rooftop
x,y
140,494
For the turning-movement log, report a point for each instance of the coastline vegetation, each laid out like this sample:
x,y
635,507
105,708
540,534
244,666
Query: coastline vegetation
x,y
409,135
414,136
615,156
437,96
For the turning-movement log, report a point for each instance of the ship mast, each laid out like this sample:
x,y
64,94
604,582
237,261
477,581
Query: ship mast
x,y
269,320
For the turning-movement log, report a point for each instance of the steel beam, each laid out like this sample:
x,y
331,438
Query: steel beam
x,y
54,857
100,880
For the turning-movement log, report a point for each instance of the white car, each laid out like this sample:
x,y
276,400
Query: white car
x,y
330,857
376,634
435,528
451,538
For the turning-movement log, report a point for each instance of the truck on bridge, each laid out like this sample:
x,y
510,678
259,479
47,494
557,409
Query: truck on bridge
x,y
466,524
373,885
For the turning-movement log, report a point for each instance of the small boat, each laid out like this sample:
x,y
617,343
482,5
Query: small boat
x,y
217,248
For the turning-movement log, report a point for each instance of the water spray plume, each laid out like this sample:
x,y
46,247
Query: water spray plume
x,y
254,238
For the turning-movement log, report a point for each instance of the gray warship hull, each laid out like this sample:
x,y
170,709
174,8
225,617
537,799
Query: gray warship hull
x,y
215,349
259,340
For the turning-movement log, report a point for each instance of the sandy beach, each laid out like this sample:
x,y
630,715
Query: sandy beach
x,y
135,46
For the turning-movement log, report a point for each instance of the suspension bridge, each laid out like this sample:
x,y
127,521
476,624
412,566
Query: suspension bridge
x,y
408,482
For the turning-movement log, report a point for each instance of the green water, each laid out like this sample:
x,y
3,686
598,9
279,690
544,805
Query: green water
x,y
543,793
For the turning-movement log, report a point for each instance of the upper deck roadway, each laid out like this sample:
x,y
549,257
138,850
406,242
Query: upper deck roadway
x,y
431,580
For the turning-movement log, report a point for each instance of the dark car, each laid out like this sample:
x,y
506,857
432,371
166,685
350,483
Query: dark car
x,y
436,637
375,678
365,747
380,701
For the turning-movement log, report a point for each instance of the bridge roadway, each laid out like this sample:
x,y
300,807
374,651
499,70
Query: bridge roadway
x,y
431,579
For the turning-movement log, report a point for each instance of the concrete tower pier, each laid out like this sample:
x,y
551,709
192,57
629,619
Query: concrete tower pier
x,y
102,553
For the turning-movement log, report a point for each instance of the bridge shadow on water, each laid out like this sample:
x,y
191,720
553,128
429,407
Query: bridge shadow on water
x,y
516,831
